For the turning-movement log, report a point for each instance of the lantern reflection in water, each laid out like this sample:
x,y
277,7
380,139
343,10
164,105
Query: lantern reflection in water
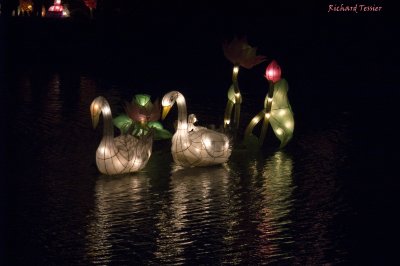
x,y
118,200
275,221
191,213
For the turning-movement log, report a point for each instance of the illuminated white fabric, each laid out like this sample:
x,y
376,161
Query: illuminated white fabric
x,y
198,146
123,154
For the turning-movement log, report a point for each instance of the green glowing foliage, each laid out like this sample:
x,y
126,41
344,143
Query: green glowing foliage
x,y
141,99
231,94
281,119
159,131
141,118
124,123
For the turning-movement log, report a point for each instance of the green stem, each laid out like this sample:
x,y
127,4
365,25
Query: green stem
x,y
267,105
254,122
238,97
228,112
264,130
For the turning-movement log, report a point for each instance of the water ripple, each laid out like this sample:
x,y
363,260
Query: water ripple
x,y
279,208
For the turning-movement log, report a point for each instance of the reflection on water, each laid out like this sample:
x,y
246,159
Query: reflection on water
x,y
198,218
260,208
193,209
278,203
119,212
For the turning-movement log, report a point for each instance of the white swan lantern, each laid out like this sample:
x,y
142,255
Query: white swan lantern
x,y
123,154
194,146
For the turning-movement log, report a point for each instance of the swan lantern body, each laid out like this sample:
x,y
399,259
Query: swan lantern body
x,y
194,146
123,154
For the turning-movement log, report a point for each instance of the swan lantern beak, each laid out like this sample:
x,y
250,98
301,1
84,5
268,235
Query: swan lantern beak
x,y
165,111
95,113
95,120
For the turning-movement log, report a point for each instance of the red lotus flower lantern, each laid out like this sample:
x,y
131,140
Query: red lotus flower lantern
x,y
142,110
90,3
273,72
239,52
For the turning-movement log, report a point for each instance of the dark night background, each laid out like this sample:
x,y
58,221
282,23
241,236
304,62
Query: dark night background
x,y
341,62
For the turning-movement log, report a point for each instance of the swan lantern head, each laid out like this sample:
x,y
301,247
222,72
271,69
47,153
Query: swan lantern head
x,y
167,102
96,108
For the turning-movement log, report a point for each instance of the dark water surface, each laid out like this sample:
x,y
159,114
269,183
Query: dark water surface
x,y
287,206
329,197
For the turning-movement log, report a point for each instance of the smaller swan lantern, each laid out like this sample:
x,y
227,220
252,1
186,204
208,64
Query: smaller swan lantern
x,y
194,146
123,154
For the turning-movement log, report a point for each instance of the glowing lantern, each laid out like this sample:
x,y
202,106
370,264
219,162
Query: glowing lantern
x,y
57,10
194,146
25,6
277,110
142,110
141,118
91,4
123,154
273,72
240,53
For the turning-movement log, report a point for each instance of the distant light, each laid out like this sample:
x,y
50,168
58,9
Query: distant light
x,y
279,131
267,115
57,7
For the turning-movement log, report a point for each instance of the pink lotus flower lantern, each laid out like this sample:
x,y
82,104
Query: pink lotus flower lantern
x,y
141,109
239,52
273,72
